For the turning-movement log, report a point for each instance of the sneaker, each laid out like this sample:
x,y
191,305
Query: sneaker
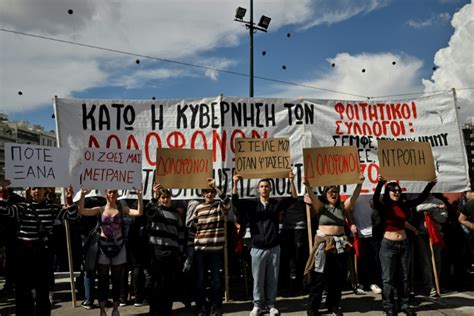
x,y
274,311
139,303
336,311
87,305
256,311
390,312
433,293
358,290
115,312
375,289
123,303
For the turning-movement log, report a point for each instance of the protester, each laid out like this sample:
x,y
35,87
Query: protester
x,y
263,214
33,266
327,263
112,253
370,274
395,248
435,209
86,225
294,248
466,218
166,240
209,242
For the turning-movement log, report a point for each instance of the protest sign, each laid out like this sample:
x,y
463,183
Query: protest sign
x,y
262,158
401,160
183,168
215,123
104,169
37,166
331,165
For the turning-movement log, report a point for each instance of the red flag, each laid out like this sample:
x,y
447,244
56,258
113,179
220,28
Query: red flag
x,y
433,232
356,245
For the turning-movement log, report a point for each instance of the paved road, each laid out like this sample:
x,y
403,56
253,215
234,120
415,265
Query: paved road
x,y
451,303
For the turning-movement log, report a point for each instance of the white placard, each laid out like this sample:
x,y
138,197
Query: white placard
x,y
36,166
104,169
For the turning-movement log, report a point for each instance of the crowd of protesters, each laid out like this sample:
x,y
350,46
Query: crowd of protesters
x,y
150,249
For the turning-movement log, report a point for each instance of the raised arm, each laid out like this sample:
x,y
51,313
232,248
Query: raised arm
x,y
349,203
291,177
86,211
315,202
423,195
139,210
378,189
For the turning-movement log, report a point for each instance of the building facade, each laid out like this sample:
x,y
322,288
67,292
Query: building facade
x,y
21,133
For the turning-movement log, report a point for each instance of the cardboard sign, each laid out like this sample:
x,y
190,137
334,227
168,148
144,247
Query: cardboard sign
x,y
262,158
401,160
331,165
104,169
183,168
36,166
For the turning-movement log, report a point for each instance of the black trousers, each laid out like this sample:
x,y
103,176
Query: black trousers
x,y
32,272
333,277
163,279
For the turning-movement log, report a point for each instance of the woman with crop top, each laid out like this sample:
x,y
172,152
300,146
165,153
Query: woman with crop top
x,y
326,265
112,253
395,248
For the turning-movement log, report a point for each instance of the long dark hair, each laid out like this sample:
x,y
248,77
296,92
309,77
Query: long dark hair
x,y
324,198
386,193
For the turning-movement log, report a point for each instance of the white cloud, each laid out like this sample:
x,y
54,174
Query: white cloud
x,y
330,12
168,29
455,63
437,19
380,78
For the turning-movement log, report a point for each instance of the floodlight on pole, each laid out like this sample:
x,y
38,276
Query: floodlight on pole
x,y
261,26
240,13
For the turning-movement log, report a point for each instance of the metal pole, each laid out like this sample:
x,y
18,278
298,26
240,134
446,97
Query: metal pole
x,y
251,50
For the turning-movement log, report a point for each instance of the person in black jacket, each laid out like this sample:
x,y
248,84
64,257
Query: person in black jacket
x,y
395,248
263,214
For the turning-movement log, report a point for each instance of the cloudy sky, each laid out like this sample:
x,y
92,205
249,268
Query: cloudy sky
x,y
353,48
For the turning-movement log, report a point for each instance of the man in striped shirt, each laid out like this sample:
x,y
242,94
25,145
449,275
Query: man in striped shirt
x,y
35,219
209,242
166,240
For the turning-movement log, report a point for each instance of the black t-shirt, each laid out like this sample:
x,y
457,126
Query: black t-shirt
x,y
469,210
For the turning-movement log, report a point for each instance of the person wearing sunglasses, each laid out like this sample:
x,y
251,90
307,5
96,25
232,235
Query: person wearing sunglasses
x,y
394,253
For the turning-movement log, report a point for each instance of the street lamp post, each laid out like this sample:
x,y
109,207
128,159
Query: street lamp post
x,y
261,26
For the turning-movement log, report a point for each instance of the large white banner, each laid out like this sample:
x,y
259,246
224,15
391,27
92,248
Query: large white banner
x,y
215,123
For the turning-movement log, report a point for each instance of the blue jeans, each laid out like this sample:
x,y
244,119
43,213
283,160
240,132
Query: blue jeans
x,y
204,261
265,266
394,259
89,284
